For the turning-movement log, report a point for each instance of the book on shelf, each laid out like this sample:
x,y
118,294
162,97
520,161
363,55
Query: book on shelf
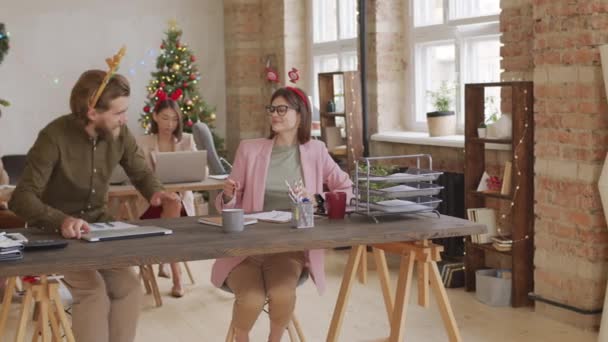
x,y
506,179
502,244
485,216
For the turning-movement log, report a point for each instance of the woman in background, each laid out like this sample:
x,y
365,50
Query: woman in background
x,y
166,135
257,183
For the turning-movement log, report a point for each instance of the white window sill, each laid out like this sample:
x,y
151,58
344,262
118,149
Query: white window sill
x,y
422,138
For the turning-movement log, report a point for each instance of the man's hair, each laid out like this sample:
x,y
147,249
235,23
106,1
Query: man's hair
x,y
87,85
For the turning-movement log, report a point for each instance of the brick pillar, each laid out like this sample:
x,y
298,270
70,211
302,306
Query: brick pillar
x,y
571,137
388,61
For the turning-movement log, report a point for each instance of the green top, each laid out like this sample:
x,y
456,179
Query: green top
x,y
67,173
284,166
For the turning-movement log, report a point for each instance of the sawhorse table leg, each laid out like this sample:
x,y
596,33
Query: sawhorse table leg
x,y
422,254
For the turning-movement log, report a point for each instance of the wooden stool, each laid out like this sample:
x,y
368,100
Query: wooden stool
x,y
9,290
425,255
151,285
45,294
293,329
294,324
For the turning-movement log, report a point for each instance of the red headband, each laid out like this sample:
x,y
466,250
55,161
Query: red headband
x,y
300,95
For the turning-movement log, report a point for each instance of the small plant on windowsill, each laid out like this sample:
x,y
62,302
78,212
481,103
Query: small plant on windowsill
x,y
481,130
442,121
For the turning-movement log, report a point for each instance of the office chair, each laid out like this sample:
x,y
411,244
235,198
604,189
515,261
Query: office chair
x,y
204,141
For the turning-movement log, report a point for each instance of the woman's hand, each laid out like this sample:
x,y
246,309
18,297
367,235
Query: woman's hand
x,y
229,189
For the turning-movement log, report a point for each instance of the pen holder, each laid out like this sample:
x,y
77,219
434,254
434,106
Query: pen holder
x,y
302,215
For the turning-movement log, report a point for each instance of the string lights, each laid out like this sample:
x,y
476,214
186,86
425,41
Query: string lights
x,y
504,216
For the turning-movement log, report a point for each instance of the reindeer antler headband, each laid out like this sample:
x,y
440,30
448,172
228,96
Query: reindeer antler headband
x,y
113,64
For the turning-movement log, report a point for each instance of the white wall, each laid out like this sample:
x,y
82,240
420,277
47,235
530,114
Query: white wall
x,y
53,42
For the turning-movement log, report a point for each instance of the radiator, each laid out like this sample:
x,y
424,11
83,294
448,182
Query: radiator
x,y
452,204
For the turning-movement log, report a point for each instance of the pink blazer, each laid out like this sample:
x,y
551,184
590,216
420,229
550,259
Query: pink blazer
x,y
250,170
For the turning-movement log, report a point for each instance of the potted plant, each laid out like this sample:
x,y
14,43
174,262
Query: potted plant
x,y
442,121
481,130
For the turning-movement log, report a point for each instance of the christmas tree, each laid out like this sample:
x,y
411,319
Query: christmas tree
x,y
3,51
177,78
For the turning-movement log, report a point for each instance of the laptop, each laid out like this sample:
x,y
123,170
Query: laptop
x,y
109,234
181,166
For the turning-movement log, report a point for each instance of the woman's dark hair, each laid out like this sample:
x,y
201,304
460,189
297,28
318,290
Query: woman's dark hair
x,y
169,103
299,101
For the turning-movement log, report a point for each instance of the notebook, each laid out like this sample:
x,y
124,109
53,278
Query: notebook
x,y
217,221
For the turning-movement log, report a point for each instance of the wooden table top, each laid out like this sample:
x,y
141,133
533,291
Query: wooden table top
x,y
194,241
207,185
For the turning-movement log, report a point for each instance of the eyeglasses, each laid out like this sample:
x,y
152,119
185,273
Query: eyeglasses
x,y
280,109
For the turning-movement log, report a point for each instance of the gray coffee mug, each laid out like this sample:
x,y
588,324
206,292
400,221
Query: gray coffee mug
x,y
233,220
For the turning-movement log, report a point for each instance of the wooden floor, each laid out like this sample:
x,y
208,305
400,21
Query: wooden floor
x,y
204,314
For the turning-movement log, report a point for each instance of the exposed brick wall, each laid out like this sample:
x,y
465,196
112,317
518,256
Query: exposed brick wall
x,y
571,138
254,31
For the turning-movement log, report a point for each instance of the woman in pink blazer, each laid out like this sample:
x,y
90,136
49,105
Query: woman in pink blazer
x,y
257,183
166,136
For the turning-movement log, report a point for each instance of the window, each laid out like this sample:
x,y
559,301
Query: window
x,y
454,42
334,40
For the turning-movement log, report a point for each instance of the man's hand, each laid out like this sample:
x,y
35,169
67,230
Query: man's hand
x,y
73,228
170,201
163,198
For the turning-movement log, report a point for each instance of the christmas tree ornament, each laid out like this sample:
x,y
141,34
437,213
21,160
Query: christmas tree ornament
x,y
212,116
192,59
271,74
293,75
147,109
185,85
192,77
176,67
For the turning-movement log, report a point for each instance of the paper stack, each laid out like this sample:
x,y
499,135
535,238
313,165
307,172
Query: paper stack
x,y
10,249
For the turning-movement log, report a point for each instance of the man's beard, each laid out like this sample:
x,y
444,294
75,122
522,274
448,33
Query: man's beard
x,y
107,133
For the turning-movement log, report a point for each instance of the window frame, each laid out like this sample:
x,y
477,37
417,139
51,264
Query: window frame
x,y
339,47
458,31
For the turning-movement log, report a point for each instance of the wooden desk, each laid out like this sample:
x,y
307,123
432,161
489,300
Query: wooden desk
x,y
194,241
127,195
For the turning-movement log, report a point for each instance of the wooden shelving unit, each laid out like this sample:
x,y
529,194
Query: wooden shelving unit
x,y
331,86
521,256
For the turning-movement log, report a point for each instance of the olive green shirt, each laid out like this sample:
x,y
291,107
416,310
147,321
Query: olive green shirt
x,y
67,173
284,166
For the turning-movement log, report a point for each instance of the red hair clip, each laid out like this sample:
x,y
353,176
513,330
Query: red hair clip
x,y
162,96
